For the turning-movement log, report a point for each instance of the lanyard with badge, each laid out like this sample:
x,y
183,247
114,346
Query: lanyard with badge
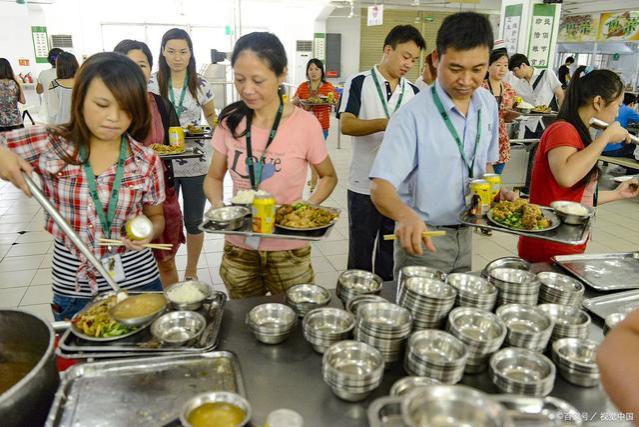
x,y
113,263
382,98
179,108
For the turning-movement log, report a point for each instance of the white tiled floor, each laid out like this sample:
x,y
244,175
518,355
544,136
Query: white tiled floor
x,y
25,249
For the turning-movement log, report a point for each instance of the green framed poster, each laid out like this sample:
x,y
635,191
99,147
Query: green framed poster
x,y
512,27
40,44
541,33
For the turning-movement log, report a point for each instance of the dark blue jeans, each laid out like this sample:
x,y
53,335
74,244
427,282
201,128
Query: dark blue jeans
x,y
64,307
194,201
365,226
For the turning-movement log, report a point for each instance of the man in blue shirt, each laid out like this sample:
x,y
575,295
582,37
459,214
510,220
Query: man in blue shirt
x,y
432,148
627,114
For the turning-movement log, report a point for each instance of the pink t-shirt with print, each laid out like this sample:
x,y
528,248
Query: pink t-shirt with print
x,y
298,142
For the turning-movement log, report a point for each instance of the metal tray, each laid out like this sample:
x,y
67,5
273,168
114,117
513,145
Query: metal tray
x,y
188,153
620,302
208,132
539,411
565,233
604,272
141,392
548,214
144,343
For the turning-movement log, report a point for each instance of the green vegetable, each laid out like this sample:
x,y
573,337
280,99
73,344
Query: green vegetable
x,y
299,206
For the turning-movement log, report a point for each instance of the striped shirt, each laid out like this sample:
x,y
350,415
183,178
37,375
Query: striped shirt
x,y
322,112
140,269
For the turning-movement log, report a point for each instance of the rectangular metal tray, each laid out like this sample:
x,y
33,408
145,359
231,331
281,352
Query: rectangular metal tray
x,y
189,153
278,233
565,233
208,132
144,343
140,392
604,272
620,302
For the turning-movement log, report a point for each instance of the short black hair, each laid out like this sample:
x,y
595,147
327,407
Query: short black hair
x,y
318,63
570,60
403,34
66,65
464,31
629,98
497,54
53,55
127,45
516,60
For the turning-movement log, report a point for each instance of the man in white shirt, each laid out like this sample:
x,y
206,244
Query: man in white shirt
x,y
370,99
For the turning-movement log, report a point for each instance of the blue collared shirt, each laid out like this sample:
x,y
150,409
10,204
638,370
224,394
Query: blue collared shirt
x,y
626,116
420,157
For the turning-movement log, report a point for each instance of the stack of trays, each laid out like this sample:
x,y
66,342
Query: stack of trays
x,y
416,271
428,300
357,282
515,286
326,326
385,326
528,327
271,323
473,291
481,331
570,322
352,369
560,289
436,354
522,371
575,359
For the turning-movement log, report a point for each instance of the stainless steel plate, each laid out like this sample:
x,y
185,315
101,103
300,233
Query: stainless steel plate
x,y
549,214
622,302
604,272
539,411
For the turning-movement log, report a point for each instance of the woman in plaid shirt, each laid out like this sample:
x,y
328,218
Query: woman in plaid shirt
x,y
92,163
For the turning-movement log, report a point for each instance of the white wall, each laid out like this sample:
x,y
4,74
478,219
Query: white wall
x,y
15,35
349,28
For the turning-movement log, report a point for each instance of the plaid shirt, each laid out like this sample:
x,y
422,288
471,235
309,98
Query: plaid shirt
x,y
65,185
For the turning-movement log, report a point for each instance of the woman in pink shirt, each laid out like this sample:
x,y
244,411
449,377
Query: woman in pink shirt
x,y
285,140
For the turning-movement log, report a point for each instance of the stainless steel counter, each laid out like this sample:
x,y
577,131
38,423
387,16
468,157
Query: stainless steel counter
x,y
288,375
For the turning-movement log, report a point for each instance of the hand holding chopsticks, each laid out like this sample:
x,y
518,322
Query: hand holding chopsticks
x,y
437,233
114,242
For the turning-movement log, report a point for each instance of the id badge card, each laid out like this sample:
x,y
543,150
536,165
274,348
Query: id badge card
x,y
468,196
253,242
113,264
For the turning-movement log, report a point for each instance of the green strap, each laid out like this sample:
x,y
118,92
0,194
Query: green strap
x,y
382,98
451,128
179,107
105,219
255,170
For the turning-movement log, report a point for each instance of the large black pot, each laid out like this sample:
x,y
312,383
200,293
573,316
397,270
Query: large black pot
x,y
26,345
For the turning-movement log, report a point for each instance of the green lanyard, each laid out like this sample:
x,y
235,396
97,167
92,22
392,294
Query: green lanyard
x,y
460,146
383,98
255,169
105,219
179,108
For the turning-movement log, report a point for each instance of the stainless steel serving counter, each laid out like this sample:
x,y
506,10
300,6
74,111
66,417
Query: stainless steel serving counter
x,y
288,375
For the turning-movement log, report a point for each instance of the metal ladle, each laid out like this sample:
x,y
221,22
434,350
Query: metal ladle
x,y
600,124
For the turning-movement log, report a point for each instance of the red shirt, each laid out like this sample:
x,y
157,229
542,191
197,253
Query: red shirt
x,y
544,190
322,112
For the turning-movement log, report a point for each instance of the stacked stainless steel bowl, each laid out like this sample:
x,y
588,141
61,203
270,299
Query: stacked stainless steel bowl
x,y
528,327
352,369
570,322
357,282
522,371
481,331
515,286
305,297
560,289
505,262
385,326
428,300
416,271
575,359
271,323
435,354
325,326
473,291
356,302
404,385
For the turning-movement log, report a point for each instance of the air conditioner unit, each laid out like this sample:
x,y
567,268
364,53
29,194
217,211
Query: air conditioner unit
x,y
303,52
62,41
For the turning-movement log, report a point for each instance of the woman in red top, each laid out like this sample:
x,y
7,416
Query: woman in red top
x,y
565,166
315,87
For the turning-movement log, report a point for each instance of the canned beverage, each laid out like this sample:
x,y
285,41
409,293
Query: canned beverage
x,y
479,194
263,213
495,184
138,228
176,136
284,418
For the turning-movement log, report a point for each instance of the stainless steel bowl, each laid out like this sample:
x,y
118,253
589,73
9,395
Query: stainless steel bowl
x,y
570,321
407,384
384,316
355,303
203,288
213,397
436,354
506,262
357,282
305,297
327,325
522,371
430,288
528,327
576,361
178,327
271,323
227,217
137,321
477,325
560,207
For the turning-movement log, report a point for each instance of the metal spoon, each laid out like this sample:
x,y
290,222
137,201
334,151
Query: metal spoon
x,y
600,124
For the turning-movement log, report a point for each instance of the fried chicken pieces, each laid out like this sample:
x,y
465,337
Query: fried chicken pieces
x,y
520,214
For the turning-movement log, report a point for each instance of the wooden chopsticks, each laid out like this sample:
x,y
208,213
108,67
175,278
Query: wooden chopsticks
x,y
437,233
159,246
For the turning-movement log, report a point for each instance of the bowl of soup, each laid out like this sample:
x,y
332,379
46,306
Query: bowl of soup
x,y
216,409
138,309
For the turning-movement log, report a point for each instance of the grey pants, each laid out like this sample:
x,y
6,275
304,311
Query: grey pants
x,y
453,254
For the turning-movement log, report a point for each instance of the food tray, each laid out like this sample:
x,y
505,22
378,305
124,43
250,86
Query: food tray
x,y
565,233
208,132
141,392
539,411
143,343
188,153
621,302
604,272
548,214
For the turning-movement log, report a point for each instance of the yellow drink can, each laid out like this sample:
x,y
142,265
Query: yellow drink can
x,y
495,184
479,196
263,214
138,228
176,136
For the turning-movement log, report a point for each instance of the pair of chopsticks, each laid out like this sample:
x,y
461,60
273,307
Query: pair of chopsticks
x,y
159,246
424,234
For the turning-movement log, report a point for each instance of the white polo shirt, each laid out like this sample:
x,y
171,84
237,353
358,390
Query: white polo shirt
x,y
541,95
361,99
